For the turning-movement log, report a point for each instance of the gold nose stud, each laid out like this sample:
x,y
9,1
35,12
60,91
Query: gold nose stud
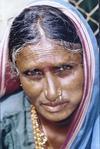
x,y
59,92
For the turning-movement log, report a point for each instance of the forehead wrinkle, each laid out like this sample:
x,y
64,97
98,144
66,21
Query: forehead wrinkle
x,y
44,61
48,61
44,55
40,55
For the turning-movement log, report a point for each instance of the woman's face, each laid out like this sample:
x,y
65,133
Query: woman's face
x,y
52,77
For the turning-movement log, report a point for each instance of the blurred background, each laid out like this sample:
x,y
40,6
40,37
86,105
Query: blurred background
x,y
90,10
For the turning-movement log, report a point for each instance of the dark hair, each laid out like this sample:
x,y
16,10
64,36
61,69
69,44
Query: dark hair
x,y
55,24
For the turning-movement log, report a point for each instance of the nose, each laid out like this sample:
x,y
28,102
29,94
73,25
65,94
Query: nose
x,y
52,88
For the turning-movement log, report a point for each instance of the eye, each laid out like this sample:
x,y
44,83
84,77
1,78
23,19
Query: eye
x,y
63,70
64,67
35,74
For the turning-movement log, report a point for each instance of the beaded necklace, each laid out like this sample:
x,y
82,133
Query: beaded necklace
x,y
39,137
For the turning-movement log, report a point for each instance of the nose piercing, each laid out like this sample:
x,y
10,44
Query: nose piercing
x,y
59,92
60,97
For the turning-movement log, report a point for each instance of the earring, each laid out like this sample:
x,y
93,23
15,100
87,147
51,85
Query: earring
x,y
21,85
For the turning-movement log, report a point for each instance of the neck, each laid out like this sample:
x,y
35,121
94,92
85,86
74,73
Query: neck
x,y
54,129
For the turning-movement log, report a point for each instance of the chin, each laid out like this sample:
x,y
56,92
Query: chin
x,y
57,117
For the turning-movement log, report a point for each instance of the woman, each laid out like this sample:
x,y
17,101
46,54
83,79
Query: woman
x,y
52,54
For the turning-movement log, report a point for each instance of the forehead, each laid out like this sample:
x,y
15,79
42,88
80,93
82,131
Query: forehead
x,y
45,54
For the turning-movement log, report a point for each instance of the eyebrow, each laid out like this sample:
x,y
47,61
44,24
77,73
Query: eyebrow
x,y
37,67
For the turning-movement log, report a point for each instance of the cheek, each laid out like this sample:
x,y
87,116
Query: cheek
x,y
73,81
31,88
73,86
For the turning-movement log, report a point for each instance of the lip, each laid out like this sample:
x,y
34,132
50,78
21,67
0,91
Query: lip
x,y
54,107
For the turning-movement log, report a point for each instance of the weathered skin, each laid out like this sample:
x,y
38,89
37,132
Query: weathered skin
x,y
56,70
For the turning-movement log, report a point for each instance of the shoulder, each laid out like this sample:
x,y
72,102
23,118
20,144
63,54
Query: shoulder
x,y
12,104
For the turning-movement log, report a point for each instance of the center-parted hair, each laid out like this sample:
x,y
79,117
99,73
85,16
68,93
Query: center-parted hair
x,y
55,24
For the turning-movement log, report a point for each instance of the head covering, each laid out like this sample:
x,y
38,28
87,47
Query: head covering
x,y
84,130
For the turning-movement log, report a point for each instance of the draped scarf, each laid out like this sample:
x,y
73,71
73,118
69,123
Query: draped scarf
x,y
84,130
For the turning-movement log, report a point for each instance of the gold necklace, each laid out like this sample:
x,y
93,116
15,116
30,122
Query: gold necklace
x,y
39,137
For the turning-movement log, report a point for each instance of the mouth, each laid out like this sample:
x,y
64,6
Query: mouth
x,y
54,107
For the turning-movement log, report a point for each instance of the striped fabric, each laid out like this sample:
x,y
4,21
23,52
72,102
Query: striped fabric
x,y
81,132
